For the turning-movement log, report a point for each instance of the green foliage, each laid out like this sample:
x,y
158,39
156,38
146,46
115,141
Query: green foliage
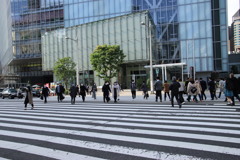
x,y
64,69
106,60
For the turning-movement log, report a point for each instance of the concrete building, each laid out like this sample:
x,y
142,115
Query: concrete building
x,y
189,31
236,31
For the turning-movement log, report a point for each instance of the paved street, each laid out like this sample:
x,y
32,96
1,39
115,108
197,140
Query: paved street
x,y
128,130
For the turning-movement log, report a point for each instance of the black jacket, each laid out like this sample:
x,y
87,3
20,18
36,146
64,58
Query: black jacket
x,y
45,91
174,87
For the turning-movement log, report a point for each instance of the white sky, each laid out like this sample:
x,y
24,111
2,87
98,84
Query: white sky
x,y
233,6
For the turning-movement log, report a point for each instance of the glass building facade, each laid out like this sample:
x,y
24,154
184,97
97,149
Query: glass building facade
x,y
190,31
125,31
29,20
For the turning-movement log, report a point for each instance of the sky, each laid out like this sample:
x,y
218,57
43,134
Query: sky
x,y
233,6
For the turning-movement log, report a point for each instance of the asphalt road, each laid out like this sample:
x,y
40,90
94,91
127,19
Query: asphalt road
x,y
126,130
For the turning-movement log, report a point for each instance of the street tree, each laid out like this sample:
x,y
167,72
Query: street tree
x,y
64,69
106,61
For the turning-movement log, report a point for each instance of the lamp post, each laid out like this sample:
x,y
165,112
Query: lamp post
x,y
149,26
77,65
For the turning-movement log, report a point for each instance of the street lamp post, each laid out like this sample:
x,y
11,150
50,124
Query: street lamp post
x,y
77,59
149,26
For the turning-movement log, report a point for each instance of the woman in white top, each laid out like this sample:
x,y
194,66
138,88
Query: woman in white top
x,y
181,90
115,91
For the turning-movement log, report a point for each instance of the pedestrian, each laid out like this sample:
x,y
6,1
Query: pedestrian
x,y
94,90
45,93
221,85
59,91
199,89
235,90
174,87
106,89
212,88
83,91
228,91
133,89
73,93
115,91
144,88
181,91
166,90
29,97
192,90
204,87
158,88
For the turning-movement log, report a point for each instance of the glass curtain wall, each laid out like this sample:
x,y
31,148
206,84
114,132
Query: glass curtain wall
x,y
30,20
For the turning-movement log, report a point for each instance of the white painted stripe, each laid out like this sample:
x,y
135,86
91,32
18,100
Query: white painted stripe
x,y
126,130
47,152
169,143
127,124
98,146
107,119
95,115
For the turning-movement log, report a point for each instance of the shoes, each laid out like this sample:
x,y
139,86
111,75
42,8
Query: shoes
x,y
183,102
180,106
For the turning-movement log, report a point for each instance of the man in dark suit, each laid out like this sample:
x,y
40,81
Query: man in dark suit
x,y
158,88
59,91
174,87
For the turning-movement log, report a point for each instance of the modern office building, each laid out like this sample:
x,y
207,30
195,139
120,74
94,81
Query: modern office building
x,y
236,31
27,21
189,31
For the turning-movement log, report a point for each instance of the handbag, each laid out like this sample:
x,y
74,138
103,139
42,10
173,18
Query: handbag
x,y
194,89
41,97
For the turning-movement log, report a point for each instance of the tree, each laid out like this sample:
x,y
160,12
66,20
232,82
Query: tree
x,y
107,60
64,69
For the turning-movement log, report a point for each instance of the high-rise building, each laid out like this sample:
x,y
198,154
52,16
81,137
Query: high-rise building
x,y
189,31
29,20
236,31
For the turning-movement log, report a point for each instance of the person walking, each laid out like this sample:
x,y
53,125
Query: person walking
x,y
158,88
192,90
144,88
199,89
212,88
174,87
235,89
166,90
94,90
59,91
204,87
83,91
228,91
133,87
45,93
115,91
106,89
73,93
29,97
221,85
181,91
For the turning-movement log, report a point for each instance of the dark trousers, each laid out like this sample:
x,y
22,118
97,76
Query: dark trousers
x,y
181,99
106,97
177,99
59,96
45,99
133,94
203,95
213,94
165,95
73,99
159,94
235,94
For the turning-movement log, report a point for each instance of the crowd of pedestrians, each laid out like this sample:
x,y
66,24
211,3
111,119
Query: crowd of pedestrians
x,y
193,88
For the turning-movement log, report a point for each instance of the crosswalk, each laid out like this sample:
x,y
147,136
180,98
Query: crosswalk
x,y
92,131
